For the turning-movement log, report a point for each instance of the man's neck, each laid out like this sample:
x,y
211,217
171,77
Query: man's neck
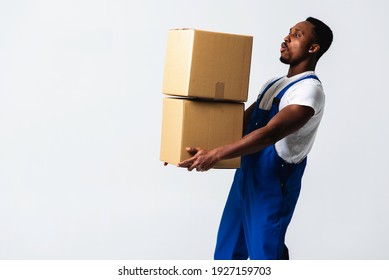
x,y
301,68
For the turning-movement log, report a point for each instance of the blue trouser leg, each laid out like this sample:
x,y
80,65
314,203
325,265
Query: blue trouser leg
x,y
262,213
231,242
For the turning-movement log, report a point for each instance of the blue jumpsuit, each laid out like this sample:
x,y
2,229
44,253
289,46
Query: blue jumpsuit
x,y
262,198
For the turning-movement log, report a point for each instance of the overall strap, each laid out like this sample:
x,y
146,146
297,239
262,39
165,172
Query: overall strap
x,y
277,99
265,90
253,118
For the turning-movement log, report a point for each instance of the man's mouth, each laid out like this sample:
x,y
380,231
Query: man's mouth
x,y
284,47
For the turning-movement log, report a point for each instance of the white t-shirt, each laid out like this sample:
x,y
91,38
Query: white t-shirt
x,y
309,92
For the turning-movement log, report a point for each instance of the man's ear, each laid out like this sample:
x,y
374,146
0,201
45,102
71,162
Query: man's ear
x,y
314,48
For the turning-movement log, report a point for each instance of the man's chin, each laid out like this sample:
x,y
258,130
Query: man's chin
x,y
283,60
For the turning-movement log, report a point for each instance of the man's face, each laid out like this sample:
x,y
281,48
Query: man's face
x,y
297,43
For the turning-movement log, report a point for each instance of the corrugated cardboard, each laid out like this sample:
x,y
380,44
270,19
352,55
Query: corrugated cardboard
x,y
207,65
195,123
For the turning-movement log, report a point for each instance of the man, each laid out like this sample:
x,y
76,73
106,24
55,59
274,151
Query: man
x,y
280,130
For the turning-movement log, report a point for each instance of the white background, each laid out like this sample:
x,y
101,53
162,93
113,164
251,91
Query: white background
x,y
80,121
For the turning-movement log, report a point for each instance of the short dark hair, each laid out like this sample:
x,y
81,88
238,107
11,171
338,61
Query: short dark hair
x,y
323,35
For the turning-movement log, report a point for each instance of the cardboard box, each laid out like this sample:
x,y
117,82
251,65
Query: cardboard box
x,y
207,65
196,123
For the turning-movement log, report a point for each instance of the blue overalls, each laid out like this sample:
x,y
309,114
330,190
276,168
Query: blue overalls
x,y
262,198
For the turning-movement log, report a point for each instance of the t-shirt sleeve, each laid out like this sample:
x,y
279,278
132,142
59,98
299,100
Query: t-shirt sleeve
x,y
307,94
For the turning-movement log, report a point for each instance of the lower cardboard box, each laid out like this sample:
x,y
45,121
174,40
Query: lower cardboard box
x,y
198,123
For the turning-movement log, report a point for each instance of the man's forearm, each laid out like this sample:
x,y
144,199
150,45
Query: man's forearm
x,y
251,143
287,121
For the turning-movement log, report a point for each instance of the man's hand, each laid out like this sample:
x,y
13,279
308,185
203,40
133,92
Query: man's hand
x,y
202,160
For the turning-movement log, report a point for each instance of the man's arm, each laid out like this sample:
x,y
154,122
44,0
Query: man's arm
x,y
287,121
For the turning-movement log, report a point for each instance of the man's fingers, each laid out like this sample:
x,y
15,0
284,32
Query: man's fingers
x,y
185,163
193,163
189,164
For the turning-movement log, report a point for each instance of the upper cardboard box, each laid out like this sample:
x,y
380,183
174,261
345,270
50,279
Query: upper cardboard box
x,y
207,65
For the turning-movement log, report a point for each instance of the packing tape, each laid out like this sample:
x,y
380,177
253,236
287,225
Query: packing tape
x,y
219,90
